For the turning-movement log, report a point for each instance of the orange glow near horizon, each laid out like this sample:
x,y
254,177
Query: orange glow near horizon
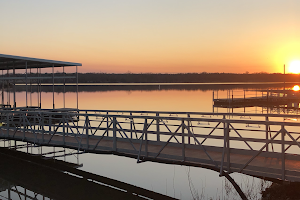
x,y
156,36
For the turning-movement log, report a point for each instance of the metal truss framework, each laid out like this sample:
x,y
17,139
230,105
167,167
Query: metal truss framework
x,y
20,192
254,144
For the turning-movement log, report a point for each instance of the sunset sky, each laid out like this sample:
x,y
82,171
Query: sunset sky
x,y
157,36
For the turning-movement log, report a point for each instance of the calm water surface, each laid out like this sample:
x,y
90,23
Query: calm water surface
x,y
177,181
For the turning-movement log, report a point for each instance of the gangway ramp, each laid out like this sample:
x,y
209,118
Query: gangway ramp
x,y
253,144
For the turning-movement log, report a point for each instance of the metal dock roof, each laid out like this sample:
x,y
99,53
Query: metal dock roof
x,y
19,62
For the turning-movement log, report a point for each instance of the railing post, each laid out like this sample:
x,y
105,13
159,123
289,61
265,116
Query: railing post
x,y
189,135
34,132
146,137
64,130
114,134
224,147
1,124
50,123
24,126
157,128
87,130
107,124
267,133
183,144
228,147
283,151
7,124
131,126
42,126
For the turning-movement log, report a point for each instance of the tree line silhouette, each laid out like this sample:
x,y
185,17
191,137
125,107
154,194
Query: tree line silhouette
x,y
167,78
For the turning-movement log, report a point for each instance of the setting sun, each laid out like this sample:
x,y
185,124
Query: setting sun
x,y
294,67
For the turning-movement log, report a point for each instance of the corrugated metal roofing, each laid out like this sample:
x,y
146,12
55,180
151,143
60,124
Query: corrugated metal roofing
x,y
19,62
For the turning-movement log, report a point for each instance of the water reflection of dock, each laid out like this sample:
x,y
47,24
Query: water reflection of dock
x,y
40,178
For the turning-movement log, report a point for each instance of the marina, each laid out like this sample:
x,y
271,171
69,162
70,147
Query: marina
x,y
260,145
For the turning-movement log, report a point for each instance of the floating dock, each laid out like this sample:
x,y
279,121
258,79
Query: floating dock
x,y
266,98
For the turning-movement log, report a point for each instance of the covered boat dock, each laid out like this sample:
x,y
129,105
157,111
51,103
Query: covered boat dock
x,y
17,68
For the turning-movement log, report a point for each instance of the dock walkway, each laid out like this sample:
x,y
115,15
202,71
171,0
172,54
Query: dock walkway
x,y
263,146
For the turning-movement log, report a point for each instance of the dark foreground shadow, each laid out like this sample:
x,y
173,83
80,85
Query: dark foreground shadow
x,y
290,191
60,180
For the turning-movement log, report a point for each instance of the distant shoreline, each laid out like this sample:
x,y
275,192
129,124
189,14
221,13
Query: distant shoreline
x,y
163,84
185,78
160,79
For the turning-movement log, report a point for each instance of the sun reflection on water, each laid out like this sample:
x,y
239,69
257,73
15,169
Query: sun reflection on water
x,y
296,88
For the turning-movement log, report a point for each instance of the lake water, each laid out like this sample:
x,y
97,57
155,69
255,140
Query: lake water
x,y
181,182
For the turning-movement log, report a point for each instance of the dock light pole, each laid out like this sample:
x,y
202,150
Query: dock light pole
x,y
53,85
38,89
77,87
26,82
64,87
2,82
7,82
40,83
14,74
